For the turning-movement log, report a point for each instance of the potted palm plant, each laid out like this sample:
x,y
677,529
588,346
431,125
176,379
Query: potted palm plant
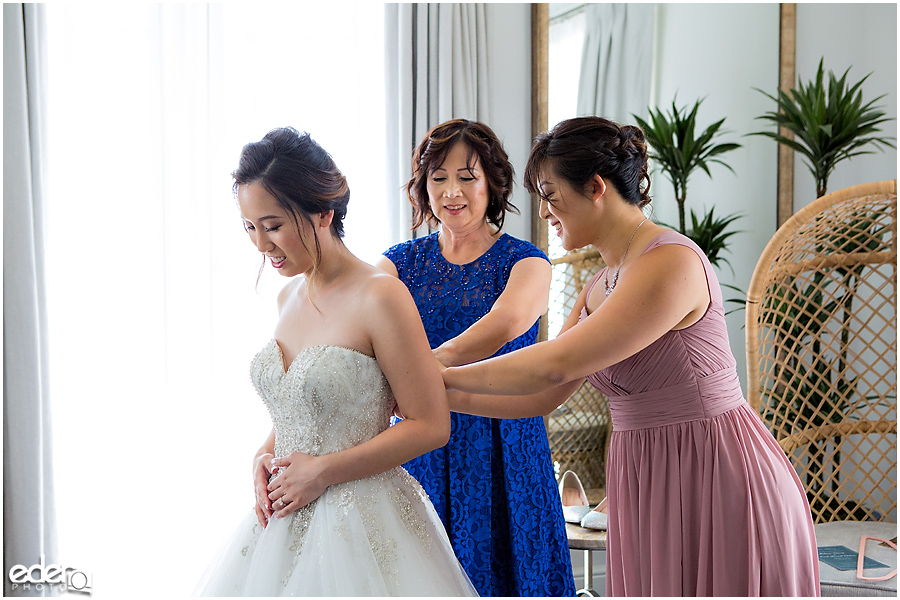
x,y
829,124
677,150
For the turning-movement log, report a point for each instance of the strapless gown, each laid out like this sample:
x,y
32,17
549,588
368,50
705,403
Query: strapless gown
x,y
377,536
702,499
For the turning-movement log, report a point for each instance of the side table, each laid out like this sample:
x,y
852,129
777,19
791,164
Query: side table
x,y
587,540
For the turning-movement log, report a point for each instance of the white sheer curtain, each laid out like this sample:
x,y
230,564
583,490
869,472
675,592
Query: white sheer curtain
x,y
564,66
600,63
153,311
29,523
616,62
436,70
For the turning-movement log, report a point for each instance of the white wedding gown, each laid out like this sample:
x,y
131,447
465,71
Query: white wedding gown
x,y
378,536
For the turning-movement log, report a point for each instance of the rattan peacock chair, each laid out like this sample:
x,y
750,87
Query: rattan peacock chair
x,y
821,325
579,430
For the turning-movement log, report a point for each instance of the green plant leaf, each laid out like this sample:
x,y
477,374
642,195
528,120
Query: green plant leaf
x,y
678,150
829,122
711,235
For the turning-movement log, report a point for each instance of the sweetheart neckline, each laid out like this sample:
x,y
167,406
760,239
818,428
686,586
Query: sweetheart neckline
x,y
281,353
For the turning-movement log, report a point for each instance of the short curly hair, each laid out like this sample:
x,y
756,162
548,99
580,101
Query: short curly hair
x,y
482,143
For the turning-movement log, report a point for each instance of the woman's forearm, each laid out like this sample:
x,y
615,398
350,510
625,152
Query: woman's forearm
x,y
522,372
512,407
482,339
515,311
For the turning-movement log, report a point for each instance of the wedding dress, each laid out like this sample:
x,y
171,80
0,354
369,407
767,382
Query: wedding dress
x,y
377,536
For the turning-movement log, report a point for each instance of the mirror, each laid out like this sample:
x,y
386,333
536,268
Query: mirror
x,y
694,51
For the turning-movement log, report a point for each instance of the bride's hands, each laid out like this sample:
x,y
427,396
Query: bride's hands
x,y
300,481
262,469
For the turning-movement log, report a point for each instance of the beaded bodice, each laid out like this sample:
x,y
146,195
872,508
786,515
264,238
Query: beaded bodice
x,y
452,297
330,398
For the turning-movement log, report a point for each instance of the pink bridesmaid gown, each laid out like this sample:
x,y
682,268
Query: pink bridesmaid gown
x,y
702,500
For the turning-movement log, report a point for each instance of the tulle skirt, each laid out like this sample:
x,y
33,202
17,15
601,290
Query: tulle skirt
x,y
378,536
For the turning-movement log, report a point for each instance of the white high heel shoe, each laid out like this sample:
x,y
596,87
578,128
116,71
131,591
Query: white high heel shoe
x,y
597,518
574,501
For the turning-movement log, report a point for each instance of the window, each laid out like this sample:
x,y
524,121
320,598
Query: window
x,y
567,31
153,309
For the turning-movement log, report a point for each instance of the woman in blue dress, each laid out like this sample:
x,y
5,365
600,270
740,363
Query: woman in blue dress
x,y
481,293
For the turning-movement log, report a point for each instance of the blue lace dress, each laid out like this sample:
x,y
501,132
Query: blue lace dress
x,y
493,484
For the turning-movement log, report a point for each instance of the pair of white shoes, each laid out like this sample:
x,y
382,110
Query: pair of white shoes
x,y
575,504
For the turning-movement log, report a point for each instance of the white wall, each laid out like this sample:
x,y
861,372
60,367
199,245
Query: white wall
x,y
509,65
702,53
863,38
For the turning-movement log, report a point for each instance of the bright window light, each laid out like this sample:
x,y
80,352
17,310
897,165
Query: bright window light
x,y
154,310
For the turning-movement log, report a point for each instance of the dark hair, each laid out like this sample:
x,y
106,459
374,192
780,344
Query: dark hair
x,y
482,143
300,174
577,149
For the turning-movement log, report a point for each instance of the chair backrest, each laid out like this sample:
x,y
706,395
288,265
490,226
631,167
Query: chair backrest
x,y
579,430
821,326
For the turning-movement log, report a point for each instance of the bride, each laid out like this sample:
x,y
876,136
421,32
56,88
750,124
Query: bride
x,y
335,514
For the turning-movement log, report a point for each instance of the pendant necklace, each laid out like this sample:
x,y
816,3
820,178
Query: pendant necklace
x,y
610,287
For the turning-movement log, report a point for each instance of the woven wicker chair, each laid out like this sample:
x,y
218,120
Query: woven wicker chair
x,y
821,350
579,430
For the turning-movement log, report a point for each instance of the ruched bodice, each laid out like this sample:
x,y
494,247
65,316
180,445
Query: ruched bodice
x,y
686,368
678,357
701,498
331,398
691,370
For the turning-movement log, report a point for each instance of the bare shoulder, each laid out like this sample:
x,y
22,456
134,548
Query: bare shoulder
x,y
677,259
389,314
292,287
672,274
532,264
382,284
387,265
380,291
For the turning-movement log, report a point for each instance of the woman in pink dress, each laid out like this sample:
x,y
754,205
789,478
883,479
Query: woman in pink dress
x,y
701,499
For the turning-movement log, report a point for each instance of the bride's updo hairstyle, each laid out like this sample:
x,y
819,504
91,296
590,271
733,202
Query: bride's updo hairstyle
x,y
577,149
301,176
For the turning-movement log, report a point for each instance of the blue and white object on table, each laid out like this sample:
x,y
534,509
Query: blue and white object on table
x,y
836,582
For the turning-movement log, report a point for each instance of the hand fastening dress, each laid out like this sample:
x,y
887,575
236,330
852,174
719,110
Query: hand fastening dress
x,y
493,484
